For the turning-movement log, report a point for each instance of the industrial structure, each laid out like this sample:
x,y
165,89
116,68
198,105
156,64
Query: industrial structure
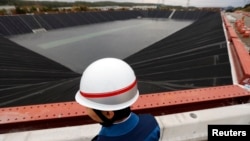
x,y
183,114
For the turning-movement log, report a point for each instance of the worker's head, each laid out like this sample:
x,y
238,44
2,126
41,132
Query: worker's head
x,y
108,88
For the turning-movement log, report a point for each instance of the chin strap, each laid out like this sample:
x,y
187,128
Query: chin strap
x,y
106,122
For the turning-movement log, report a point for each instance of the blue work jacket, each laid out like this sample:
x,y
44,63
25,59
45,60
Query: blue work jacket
x,y
142,127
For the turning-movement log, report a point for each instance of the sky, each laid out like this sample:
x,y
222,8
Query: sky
x,y
197,3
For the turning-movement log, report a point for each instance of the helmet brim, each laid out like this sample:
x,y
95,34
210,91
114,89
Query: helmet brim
x,y
104,107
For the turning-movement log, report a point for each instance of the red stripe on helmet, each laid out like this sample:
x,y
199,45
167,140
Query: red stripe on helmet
x,y
108,94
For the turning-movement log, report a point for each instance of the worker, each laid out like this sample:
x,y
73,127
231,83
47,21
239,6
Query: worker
x,y
108,88
243,19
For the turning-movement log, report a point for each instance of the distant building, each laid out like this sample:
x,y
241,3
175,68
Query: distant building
x,y
106,8
145,7
7,9
64,8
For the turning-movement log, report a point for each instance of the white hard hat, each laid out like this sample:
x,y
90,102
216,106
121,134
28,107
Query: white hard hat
x,y
108,84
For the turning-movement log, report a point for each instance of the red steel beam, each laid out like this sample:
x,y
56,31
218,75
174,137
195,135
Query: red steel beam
x,y
242,57
237,64
189,100
231,33
33,117
226,22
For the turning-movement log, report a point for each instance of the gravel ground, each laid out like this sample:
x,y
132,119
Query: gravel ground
x,y
238,16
